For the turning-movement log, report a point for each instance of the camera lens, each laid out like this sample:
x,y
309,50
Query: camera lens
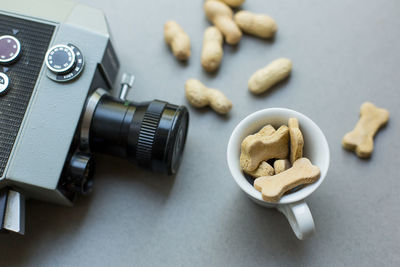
x,y
150,134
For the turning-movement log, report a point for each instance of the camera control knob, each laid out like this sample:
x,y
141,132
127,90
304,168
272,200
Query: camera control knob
x,y
10,49
4,82
65,62
60,59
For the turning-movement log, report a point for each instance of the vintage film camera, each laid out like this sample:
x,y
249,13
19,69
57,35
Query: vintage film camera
x,y
57,68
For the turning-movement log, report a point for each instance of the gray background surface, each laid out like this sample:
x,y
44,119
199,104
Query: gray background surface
x,y
344,53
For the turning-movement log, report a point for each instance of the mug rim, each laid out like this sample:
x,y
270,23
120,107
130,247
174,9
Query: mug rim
x,y
240,178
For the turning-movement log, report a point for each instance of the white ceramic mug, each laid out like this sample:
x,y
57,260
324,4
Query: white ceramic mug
x,y
316,148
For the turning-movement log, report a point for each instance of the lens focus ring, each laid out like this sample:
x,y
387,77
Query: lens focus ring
x,y
148,131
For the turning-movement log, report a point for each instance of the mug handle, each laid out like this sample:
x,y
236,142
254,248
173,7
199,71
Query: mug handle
x,y
300,218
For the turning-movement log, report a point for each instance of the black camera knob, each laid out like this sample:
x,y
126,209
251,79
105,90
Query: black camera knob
x,y
60,59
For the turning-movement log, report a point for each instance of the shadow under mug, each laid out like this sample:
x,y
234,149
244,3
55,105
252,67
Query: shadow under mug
x,y
316,149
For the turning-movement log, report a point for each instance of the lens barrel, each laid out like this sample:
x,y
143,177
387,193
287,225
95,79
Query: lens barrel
x,y
150,134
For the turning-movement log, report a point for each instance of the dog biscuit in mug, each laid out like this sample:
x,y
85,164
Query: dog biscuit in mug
x,y
264,169
281,165
361,139
265,131
263,146
296,140
273,187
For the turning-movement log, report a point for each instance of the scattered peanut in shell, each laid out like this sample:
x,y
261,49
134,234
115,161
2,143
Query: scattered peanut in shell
x,y
177,39
256,24
200,96
221,15
233,3
273,73
212,52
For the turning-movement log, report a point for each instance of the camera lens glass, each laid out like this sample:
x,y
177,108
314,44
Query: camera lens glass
x,y
150,134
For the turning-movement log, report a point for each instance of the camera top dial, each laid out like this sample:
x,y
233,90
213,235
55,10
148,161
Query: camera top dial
x,y
60,59
65,62
10,49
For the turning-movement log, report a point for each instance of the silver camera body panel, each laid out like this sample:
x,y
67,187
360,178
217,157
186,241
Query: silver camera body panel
x,y
53,115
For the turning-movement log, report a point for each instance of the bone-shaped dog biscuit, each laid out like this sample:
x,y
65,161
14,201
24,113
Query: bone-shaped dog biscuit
x,y
296,140
263,146
273,187
264,169
361,139
265,131
281,165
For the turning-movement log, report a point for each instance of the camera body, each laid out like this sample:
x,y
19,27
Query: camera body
x,y
57,66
